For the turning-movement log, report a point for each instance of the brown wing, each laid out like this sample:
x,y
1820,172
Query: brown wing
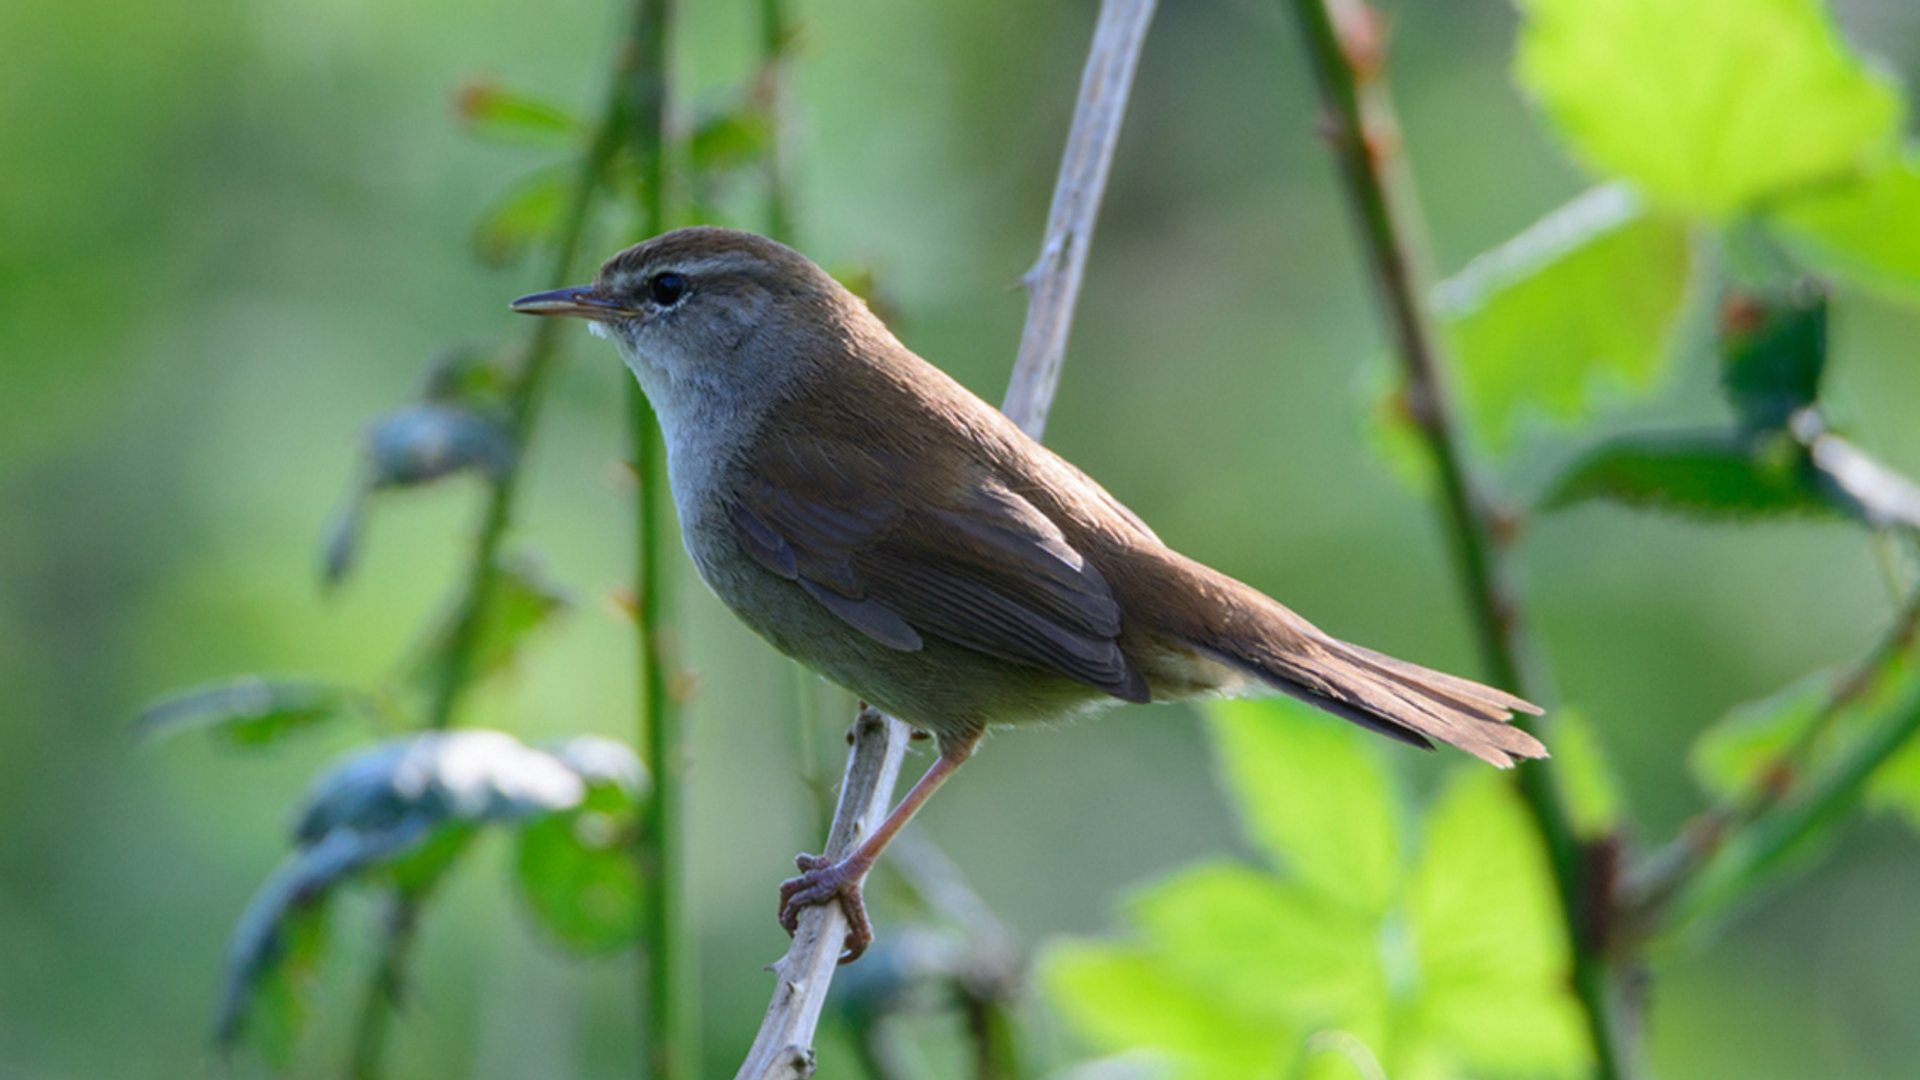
x,y
975,564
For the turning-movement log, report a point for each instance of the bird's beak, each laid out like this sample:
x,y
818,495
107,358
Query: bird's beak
x,y
578,301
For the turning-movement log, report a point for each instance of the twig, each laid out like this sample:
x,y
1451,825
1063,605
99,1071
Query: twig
x,y
1346,43
1054,281
1667,881
1752,852
783,1048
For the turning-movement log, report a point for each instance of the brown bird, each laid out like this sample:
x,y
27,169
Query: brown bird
x,y
873,519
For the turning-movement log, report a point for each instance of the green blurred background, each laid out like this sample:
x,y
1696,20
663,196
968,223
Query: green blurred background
x,y
231,231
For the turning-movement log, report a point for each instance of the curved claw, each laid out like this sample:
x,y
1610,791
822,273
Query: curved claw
x,y
821,880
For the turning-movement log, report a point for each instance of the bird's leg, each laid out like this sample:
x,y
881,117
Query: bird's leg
x,y
822,880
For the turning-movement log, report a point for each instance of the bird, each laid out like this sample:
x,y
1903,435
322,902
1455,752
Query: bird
x,y
873,519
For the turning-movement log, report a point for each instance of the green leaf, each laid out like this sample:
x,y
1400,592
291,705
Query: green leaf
x,y
528,216
252,710
1709,106
1291,954
1490,943
491,111
1712,474
1592,790
1727,760
1117,998
283,990
1584,300
1311,796
1865,230
1388,426
576,868
1773,351
1733,758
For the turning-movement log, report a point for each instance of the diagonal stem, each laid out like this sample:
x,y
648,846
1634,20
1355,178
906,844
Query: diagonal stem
x,y
1345,41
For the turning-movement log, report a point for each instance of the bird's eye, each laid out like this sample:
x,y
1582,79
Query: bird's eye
x,y
667,289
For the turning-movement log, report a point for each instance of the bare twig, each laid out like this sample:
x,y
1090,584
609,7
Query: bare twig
x,y
1054,281
783,1048
1345,40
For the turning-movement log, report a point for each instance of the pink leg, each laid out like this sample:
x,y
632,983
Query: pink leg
x,y
821,880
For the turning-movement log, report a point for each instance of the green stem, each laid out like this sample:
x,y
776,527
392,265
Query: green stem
x,y
383,993
775,35
1750,855
1348,65
672,1041
455,666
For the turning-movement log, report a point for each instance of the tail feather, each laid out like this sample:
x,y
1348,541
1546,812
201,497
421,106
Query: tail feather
x,y
1404,701
1263,639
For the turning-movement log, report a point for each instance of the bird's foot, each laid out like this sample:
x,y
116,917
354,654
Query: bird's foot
x,y
821,881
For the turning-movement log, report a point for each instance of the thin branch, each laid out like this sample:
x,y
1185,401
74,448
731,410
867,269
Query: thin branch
x,y
1668,879
1054,281
783,1048
1346,43
1751,853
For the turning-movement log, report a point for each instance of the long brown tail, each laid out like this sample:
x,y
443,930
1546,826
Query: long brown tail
x,y
1261,637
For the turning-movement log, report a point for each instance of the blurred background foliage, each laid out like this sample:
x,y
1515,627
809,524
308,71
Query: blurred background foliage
x,y
232,230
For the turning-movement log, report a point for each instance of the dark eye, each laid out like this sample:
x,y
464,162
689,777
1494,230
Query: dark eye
x,y
667,289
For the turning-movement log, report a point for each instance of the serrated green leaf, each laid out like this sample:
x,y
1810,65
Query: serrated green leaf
x,y
1865,230
252,710
1292,955
1491,947
576,868
1583,301
1117,998
1709,106
1311,796
492,111
528,216
1711,474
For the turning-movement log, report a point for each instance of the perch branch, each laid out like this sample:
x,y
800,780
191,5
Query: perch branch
x,y
783,1049
1345,40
